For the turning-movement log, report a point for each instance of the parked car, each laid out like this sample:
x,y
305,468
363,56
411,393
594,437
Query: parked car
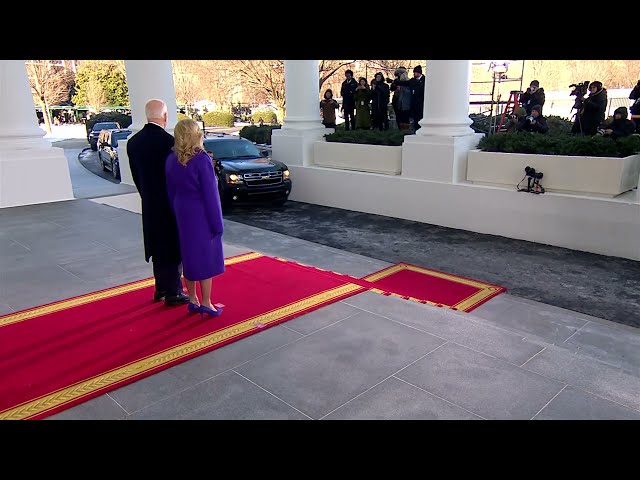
x,y
108,149
246,174
94,133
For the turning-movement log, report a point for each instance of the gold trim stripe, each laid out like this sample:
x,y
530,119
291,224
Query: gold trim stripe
x,y
107,379
485,290
93,297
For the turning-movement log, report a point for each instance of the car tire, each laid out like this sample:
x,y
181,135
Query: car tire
x,y
115,170
94,147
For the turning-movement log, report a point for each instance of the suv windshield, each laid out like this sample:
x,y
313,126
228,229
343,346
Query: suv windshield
x,y
231,149
104,126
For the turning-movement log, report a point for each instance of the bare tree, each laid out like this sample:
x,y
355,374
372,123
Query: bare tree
x,y
266,76
328,68
218,80
95,95
186,83
49,85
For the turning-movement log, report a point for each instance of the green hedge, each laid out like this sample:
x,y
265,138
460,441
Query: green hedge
x,y
218,119
267,116
123,120
182,116
258,134
392,138
561,144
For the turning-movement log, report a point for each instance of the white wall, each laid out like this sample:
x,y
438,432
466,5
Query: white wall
x,y
605,226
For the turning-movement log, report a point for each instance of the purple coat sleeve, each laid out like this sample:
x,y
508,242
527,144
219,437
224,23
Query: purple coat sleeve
x,y
210,195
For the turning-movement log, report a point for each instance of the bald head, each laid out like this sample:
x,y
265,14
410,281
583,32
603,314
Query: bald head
x,y
156,111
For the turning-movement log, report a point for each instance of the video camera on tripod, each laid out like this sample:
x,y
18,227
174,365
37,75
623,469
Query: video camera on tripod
x,y
579,89
533,181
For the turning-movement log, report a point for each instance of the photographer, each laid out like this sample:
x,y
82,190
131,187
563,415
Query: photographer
x,y
534,122
620,126
416,85
533,96
591,113
401,99
514,119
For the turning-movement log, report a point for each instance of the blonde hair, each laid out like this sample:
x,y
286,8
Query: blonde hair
x,y
189,140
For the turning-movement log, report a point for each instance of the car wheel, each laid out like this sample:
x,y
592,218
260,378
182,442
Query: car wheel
x,y
94,147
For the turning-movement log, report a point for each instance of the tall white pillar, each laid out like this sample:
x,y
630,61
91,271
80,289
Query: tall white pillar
x,y
146,80
438,150
31,170
293,144
301,79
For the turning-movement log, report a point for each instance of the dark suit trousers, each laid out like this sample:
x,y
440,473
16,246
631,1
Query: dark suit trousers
x,y
168,277
349,119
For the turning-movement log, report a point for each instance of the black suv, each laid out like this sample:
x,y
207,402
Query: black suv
x,y
108,150
92,136
247,175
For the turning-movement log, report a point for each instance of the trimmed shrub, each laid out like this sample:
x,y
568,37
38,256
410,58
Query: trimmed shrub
x,y
218,119
393,138
561,144
267,116
258,134
123,120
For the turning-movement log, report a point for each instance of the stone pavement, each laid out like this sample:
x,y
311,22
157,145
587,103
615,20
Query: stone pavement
x,y
366,357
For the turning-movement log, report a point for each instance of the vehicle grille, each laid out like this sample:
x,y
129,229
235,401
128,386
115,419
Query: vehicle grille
x,y
260,179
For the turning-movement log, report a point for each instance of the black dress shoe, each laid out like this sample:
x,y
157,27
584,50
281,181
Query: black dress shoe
x,y
173,300
159,296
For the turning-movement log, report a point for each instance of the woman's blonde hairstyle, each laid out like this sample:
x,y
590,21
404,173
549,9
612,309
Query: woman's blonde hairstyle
x,y
189,140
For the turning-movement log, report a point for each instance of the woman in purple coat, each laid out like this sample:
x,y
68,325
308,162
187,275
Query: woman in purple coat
x,y
193,194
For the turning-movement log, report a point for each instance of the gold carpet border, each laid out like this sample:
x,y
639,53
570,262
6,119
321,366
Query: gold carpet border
x,y
485,290
93,297
68,394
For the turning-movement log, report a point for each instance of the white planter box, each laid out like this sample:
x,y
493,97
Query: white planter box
x,y
354,156
595,176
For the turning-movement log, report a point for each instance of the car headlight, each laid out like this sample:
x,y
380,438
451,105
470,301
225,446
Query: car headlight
x,y
286,174
234,178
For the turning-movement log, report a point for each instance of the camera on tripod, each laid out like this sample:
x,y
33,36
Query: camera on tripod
x,y
579,89
533,181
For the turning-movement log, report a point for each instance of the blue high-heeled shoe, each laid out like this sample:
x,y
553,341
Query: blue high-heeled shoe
x,y
208,311
193,308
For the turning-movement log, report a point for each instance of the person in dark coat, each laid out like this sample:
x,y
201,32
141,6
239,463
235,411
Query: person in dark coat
x,y
192,186
401,99
534,122
591,114
347,92
533,96
148,150
380,102
328,106
621,126
416,84
635,106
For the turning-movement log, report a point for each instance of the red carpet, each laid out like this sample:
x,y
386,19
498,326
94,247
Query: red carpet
x,y
65,353
431,287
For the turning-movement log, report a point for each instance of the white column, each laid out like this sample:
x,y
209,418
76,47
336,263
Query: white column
x,y
446,99
31,170
302,127
438,150
146,80
301,80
